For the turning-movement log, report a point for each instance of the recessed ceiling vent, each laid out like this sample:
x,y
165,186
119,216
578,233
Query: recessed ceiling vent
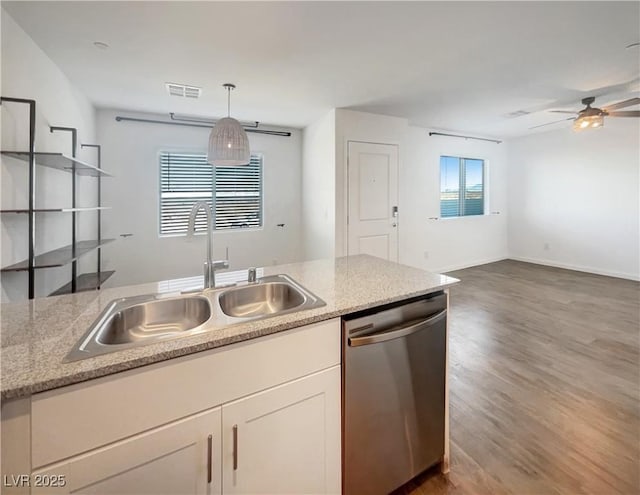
x,y
183,90
518,113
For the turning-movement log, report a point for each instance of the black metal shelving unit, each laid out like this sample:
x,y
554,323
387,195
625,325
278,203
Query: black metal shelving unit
x,y
67,254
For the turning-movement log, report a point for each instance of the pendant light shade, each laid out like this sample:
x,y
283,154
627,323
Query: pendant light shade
x,y
228,141
228,144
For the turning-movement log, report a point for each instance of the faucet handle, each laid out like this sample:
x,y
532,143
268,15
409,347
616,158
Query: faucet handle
x,y
220,265
251,275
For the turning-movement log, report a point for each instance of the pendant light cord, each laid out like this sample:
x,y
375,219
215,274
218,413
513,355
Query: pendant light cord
x,y
229,87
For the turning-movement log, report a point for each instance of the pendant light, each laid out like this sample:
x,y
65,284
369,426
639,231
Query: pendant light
x,y
228,141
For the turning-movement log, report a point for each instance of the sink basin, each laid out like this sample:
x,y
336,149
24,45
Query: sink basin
x,y
154,319
130,322
270,296
140,320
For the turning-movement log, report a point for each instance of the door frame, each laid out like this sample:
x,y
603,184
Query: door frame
x,y
346,191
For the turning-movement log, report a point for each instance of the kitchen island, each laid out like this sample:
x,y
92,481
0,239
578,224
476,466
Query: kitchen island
x,y
90,421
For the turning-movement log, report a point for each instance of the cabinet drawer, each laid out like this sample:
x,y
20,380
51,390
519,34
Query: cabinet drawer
x,y
78,418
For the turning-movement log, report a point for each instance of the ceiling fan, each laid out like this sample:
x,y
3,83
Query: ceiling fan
x,y
592,117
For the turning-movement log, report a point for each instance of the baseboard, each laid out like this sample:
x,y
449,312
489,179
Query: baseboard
x,y
578,268
452,268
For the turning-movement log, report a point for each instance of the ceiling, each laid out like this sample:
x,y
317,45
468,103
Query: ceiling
x,y
460,66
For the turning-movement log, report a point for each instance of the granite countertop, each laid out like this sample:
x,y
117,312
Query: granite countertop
x,y
37,335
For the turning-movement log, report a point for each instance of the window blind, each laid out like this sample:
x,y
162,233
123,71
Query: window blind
x,y
186,178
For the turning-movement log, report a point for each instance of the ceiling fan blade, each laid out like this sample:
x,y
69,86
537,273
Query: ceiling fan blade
x,y
564,111
549,123
629,113
623,104
559,97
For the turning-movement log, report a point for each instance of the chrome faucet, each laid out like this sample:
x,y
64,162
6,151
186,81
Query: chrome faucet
x,y
210,266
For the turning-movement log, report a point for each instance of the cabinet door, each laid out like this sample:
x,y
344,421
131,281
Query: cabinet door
x,y
285,440
173,459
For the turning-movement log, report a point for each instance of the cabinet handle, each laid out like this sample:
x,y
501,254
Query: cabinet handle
x,y
209,460
235,447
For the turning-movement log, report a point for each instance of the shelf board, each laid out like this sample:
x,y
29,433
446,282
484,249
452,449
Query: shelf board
x,y
58,257
61,162
84,282
55,210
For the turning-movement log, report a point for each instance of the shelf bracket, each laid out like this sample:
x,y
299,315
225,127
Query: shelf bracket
x,y
32,187
74,145
98,149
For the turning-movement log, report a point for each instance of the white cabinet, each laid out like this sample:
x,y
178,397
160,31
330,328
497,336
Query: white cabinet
x,y
285,440
146,431
175,459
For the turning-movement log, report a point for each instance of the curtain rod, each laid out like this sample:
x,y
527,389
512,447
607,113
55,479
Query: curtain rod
x,y
120,118
497,141
202,120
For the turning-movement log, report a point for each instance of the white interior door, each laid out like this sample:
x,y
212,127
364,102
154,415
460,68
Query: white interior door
x,y
372,221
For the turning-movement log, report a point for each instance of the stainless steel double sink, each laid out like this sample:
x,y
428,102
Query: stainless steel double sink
x,y
141,320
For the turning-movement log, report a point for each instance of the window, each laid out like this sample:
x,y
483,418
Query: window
x,y
186,178
461,186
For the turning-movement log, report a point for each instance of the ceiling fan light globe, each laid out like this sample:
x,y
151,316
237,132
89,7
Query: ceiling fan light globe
x,y
597,121
588,122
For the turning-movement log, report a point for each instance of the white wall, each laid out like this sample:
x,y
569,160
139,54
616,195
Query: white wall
x,y
574,198
439,245
319,188
131,152
450,243
28,73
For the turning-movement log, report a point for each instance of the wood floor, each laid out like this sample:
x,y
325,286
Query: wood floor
x,y
545,384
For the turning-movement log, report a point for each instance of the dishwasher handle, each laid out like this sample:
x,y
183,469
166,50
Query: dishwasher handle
x,y
396,333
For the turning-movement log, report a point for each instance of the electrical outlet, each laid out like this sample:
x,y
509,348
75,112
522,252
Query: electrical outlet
x,y
275,262
546,246
426,255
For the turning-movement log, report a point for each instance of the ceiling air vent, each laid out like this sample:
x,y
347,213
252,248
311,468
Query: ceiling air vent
x,y
183,90
518,113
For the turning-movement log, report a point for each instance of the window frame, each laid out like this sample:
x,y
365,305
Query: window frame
x,y
461,182
186,151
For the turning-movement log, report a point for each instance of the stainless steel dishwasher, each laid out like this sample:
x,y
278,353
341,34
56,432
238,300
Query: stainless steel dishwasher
x,y
393,386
